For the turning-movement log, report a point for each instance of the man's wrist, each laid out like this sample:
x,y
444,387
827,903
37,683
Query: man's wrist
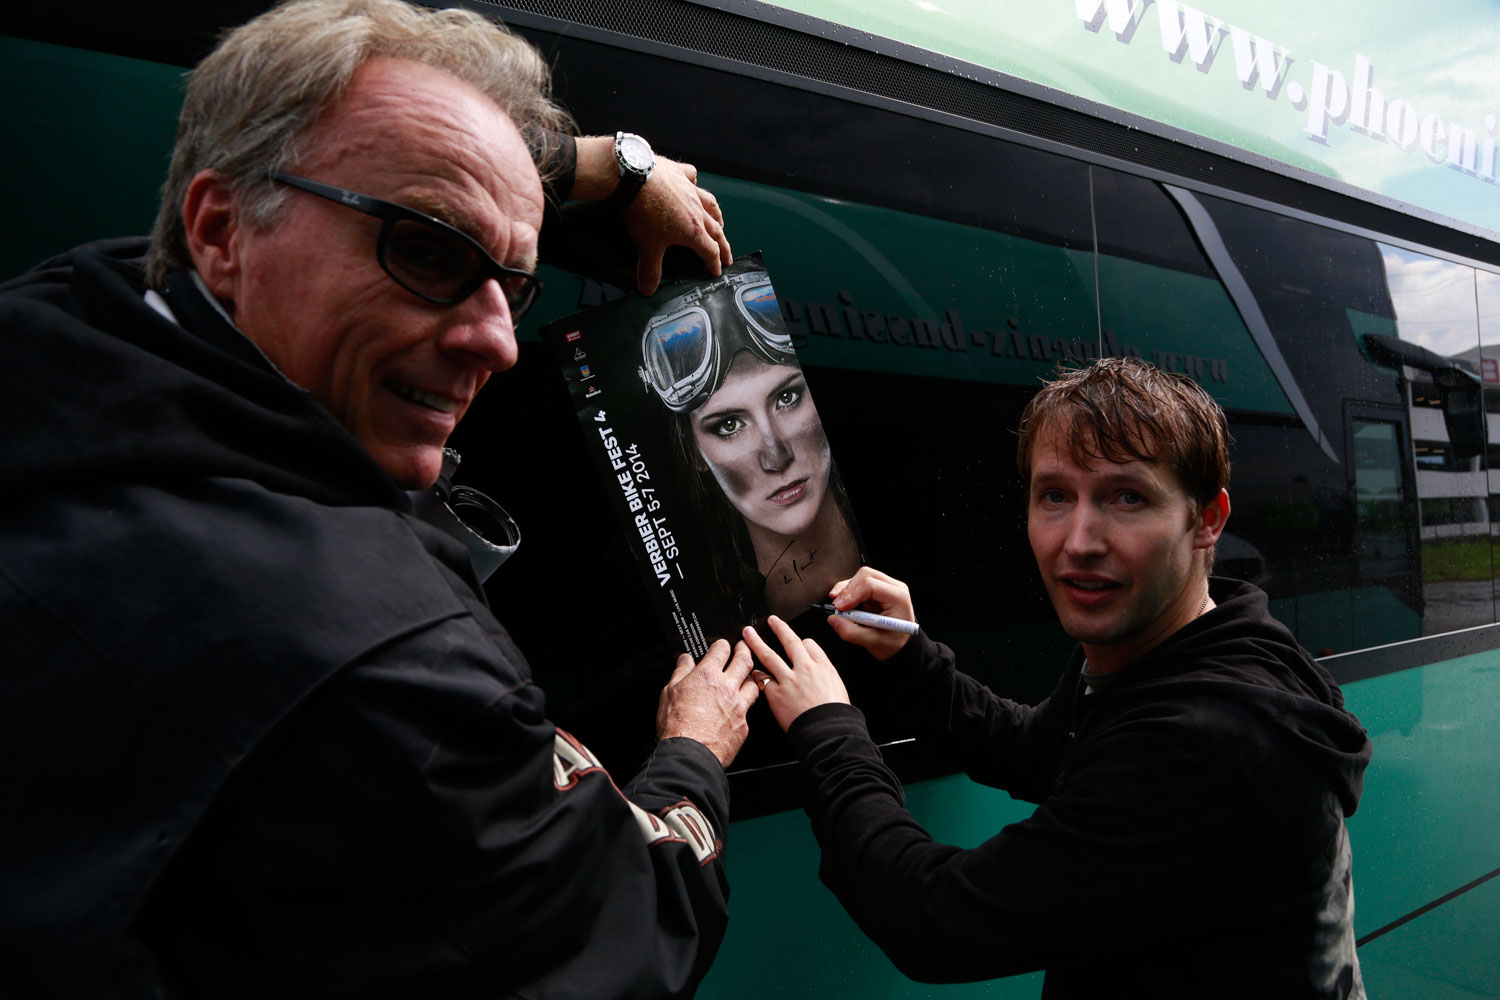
x,y
594,168
596,171
716,751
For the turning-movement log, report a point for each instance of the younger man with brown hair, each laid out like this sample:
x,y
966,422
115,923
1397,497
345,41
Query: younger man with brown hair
x,y
1193,768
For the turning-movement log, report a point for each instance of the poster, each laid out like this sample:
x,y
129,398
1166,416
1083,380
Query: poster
x,y
702,424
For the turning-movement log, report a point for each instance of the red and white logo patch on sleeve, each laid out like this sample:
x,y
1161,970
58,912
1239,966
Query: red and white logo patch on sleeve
x,y
681,823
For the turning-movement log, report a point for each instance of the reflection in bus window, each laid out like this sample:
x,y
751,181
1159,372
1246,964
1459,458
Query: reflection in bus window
x,y
1435,309
1487,296
1350,371
1383,550
1267,312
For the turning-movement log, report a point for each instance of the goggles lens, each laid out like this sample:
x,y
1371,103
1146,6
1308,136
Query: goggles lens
x,y
758,305
690,345
679,353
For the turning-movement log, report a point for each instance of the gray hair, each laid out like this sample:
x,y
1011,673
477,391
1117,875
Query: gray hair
x,y
250,103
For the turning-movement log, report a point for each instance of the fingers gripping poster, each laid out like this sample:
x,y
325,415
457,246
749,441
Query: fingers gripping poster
x,y
703,426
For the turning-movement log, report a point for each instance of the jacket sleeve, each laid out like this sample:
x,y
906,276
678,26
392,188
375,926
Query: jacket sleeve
x,y
418,827
996,741
1142,817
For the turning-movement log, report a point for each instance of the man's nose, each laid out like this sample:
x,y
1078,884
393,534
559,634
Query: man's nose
x,y
481,331
1086,532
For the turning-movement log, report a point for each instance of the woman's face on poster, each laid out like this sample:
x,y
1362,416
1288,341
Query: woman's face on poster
x,y
760,436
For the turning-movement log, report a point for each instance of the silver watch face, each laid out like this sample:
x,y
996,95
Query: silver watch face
x,y
635,153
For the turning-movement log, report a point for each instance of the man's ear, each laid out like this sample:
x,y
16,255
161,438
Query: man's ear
x,y
1210,521
211,219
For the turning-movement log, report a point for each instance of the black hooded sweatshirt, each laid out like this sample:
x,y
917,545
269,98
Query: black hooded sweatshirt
x,y
262,735
1189,839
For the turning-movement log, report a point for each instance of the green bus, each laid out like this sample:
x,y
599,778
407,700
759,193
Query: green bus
x,y
1298,205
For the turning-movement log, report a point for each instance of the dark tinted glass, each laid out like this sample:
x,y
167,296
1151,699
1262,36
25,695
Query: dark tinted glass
x,y
426,256
1434,305
430,258
1354,507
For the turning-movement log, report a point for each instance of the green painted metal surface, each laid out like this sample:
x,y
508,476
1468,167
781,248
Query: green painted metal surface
x,y
1428,822
1419,961
96,132
788,936
1425,827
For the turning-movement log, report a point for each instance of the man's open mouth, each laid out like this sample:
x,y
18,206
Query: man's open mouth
x,y
1090,584
431,400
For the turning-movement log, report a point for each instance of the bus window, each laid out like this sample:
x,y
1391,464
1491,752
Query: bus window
x,y
1384,523
1298,329
1435,310
1257,307
1487,296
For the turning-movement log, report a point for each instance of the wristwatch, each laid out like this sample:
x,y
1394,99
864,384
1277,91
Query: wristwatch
x,y
636,161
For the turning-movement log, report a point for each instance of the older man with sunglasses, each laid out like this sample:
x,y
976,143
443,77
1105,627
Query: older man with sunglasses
x,y
266,737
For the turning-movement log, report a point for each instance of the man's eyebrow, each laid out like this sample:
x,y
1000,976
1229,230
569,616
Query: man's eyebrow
x,y
442,211
1138,477
1106,472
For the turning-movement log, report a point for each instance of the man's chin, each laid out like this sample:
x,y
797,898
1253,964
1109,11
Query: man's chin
x,y
1091,631
413,468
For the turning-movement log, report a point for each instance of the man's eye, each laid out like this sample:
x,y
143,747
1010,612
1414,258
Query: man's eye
x,y
422,251
516,289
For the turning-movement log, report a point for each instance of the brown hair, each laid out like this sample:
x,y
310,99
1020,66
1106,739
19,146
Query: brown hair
x,y
1126,409
250,102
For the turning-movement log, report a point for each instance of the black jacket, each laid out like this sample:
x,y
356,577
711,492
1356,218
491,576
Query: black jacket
x,y
1189,841
263,736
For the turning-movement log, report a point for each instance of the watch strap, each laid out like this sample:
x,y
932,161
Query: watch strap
x,y
631,180
630,185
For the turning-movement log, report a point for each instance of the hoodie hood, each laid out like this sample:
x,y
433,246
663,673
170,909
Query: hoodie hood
x,y
167,400
1237,652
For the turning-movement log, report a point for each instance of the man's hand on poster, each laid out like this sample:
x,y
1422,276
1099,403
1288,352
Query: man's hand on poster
x,y
672,210
707,700
791,688
871,590
669,210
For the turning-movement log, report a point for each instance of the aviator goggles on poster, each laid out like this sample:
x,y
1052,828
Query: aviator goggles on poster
x,y
690,344
426,256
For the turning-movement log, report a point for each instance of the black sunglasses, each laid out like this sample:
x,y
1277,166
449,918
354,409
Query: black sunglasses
x,y
426,256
